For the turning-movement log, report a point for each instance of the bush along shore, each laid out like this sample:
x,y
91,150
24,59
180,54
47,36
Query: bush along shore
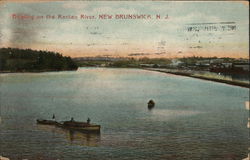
x,y
27,60
200,76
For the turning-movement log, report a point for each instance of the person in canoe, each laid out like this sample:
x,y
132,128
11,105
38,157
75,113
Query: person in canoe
x,y
88,121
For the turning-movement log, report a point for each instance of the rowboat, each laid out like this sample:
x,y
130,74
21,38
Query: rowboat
x,y
72,125
81,126
151,104
46,122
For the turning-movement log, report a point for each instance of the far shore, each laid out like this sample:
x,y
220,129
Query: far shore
x,y
230,82
235,83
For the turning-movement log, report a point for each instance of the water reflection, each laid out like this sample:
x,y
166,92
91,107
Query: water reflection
x,y
74,137
85,139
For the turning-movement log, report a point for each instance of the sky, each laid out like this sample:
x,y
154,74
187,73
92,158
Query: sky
x,y
182,28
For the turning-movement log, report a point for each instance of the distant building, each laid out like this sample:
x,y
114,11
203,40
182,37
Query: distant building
x,y
204,63
217,60
241,66
227,65
221,65
234,68
147,65
176,63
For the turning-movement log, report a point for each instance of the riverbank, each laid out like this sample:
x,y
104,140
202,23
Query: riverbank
x,y
200,76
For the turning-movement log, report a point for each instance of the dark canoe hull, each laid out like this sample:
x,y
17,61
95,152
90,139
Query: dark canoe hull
x,y
86,129
46,122
74,126
150,106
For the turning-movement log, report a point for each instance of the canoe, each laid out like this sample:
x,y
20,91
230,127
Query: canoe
x,y
151,104
81,126
72,125
46,122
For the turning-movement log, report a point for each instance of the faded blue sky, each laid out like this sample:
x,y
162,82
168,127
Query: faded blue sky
x,y
137,37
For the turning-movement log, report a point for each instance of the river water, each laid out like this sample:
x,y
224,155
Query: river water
x,y
192,119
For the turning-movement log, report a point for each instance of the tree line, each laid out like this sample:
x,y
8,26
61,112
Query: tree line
x,y
22,60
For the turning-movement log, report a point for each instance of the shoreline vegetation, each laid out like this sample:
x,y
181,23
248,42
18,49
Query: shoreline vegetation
x,y
14,60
